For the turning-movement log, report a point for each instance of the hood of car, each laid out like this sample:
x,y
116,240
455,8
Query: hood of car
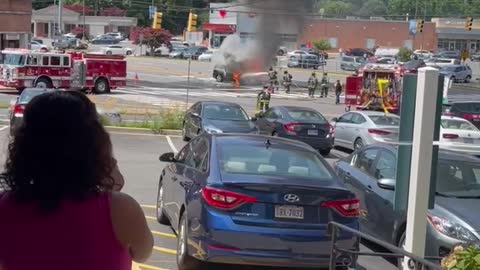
x,y
228,126
464,209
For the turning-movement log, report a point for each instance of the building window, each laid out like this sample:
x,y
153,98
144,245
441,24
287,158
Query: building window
x,y
370,43
333,42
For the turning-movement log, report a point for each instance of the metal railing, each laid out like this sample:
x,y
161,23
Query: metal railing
x,y
347,256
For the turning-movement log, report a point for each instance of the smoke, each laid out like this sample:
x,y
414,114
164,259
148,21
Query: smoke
x,y
276,23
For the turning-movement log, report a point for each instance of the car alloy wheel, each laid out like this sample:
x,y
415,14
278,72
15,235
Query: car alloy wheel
x,y
184,134
358,144
185,261
161,218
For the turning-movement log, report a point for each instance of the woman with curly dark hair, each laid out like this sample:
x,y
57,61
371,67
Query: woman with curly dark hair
x,y
61,208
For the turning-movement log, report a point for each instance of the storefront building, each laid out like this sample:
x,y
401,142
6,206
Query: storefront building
x,y
350,33
453,36
44,23
15,18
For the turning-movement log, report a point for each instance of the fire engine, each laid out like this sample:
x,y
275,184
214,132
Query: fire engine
x,y
73,70
375,88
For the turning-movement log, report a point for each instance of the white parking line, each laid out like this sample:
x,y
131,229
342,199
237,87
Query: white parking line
x,y
3,128
172,146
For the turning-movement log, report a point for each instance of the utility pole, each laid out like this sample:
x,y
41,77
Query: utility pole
x,y
60,17
83,28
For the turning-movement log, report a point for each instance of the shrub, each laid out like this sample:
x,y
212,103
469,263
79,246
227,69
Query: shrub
x,y
404,54
463,257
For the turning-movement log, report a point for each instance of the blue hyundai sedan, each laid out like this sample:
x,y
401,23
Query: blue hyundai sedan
x,y
253,200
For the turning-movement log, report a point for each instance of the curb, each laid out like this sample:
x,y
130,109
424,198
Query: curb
x,y
466,86
143,131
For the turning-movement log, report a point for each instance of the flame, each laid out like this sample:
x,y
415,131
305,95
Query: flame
x,y
236,78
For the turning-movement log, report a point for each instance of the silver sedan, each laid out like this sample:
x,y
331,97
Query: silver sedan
x,y
356,129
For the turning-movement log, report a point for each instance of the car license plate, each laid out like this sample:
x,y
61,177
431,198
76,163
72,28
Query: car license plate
x,y
312,132
468,140
289,211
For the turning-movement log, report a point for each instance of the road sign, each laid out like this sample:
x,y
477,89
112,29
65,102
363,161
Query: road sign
x,y
151,11
412,27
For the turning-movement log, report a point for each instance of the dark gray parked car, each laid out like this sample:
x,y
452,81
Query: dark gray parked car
x,y
216,117
370,173
298,123
16,111
18,107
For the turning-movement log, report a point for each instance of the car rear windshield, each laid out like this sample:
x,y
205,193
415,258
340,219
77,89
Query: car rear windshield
x,y
385,120
305,116
271,161
28,95
458,179
473,107
458,124
224,112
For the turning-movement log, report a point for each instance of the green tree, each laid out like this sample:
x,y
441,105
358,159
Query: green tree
x,y
337,8
373,8
404,54
322,45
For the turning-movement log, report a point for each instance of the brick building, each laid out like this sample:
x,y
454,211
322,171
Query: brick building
x,y
15,17
345,34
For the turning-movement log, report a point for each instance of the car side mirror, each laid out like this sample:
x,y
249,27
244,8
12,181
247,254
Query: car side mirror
x,y
335,119
167,157
195,114
386,183
253,118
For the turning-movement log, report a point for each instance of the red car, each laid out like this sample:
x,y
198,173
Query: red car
x,y
412,66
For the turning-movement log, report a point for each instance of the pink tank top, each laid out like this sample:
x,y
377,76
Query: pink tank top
x,y
79,236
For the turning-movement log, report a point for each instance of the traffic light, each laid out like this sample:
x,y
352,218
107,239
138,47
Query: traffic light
x,y
420,26
157,20
192,22
469,24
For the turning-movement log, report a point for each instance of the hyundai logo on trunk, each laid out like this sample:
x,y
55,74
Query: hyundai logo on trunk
x,y
291,198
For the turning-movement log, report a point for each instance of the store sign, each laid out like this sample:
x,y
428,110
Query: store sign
x,y
12,36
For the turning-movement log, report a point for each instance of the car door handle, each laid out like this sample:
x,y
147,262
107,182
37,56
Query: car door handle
x,y
369,187
174,178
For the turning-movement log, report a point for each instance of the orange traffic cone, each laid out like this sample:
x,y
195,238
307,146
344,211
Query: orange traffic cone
x,y
135,79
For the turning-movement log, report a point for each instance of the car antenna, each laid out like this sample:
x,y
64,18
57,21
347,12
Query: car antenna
x,y
268,143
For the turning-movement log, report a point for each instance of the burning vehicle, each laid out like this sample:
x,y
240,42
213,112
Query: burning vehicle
x,y
244,72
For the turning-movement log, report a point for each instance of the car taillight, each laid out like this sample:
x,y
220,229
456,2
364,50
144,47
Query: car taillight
x,y
290,127
470,116
18,110
348,208
331,131
450,136
378,132
224,199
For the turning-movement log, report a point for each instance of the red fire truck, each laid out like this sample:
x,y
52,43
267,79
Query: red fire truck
x,y
375,88
26,68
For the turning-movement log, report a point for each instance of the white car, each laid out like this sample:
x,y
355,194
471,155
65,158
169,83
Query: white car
x,y
70,35
423,54
206,56
116,35
458,134
117,50
441,62
36,46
